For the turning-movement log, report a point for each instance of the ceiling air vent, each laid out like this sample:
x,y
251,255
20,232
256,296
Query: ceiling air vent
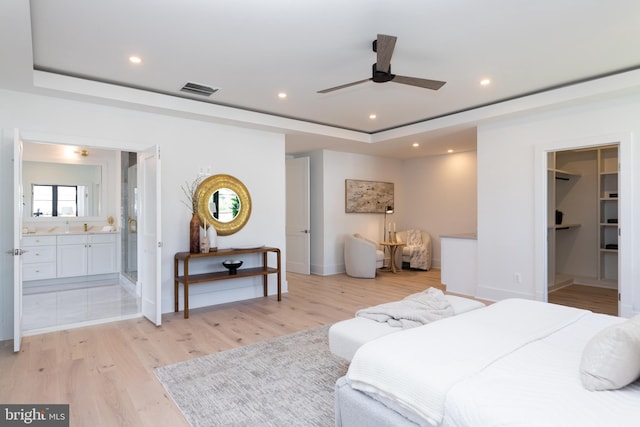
x,y
198,89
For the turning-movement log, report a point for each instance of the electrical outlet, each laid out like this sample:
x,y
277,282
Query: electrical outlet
x,y
517,277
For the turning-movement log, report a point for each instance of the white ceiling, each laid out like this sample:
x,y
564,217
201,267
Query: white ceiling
x,y
254,49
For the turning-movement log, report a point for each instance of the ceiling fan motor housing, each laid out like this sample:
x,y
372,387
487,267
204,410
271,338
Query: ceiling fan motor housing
x,y
381,76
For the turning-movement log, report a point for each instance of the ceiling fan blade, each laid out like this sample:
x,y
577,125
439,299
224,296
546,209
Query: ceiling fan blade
x,y
331,89
414,81
384,48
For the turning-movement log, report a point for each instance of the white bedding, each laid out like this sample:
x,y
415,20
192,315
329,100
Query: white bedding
x,y
407,369
539,385
415,310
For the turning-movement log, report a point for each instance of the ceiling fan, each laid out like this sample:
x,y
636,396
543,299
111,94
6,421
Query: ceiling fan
x,y
381,70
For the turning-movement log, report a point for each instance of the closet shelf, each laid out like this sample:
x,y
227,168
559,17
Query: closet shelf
x,y
564,175
566,226
612,251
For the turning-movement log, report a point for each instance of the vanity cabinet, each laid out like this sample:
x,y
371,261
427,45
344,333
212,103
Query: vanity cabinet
x,y
72,255
101,254
80,254
68,255
39,258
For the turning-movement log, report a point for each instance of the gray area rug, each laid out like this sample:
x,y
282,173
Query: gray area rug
x,y
285,381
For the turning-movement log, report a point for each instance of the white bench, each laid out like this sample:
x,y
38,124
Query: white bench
x,y
347,336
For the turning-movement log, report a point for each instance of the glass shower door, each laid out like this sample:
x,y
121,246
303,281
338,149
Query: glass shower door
x,y
130,230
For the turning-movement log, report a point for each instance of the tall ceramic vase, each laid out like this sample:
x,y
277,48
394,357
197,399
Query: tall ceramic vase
x,y
194,234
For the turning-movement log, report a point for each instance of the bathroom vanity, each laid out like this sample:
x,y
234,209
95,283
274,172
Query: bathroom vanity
x,y
51,256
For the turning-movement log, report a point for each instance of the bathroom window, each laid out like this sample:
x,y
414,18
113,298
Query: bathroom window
x,y
55,200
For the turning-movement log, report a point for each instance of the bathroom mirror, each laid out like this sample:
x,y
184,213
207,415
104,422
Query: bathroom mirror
x,y
223,201
61,190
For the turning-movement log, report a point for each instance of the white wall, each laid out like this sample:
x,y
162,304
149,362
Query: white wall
x,y
255,157
508,152
440,196
437,194
330,223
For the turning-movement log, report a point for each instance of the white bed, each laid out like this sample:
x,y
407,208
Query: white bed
x,y
516,362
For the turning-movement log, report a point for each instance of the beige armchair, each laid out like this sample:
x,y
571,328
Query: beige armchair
x,y
417,250
361,257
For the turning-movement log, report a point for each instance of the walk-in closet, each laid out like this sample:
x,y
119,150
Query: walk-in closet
x,y
583,223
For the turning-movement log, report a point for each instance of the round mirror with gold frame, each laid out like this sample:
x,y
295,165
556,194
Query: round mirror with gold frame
x,y
223,201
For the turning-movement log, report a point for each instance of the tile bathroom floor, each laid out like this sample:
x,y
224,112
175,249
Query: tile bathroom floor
x,y
78,303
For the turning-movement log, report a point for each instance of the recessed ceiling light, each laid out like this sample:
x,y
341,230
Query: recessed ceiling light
x,y
135,59
415,144
372,116
282,95
485,82
449,151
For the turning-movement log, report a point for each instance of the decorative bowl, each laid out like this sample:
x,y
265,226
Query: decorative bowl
x,y
232,265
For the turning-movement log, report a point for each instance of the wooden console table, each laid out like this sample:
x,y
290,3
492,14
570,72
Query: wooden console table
x,y
186,279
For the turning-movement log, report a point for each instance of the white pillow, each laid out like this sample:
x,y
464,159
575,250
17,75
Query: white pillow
x,y
611,359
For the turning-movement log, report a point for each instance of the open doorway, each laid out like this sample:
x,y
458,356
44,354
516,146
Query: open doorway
x,y
72,267
70,250
582,217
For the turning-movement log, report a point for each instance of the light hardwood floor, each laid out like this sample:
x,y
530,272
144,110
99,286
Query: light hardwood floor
x,y
599,300
105,372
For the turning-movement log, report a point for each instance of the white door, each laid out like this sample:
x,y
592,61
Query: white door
x,y
17,240
298,219
149,234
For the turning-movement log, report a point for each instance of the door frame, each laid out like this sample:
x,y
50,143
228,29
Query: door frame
x,y
67,140
625,205
17,250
